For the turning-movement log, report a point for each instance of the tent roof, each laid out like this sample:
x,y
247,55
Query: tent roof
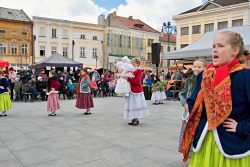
x,y
203,46
57,60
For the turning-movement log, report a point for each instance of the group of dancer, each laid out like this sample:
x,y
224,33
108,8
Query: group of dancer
x,y
216,101
129,84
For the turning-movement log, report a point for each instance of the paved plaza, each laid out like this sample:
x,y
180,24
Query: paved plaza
x,y
28,137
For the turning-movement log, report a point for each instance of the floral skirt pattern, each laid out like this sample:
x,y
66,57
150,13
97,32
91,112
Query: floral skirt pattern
x,y
53,103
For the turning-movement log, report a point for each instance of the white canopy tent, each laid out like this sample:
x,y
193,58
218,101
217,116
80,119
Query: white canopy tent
x,y
202,47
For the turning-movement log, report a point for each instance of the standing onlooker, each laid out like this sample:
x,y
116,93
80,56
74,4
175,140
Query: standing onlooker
x,y
12,79
96,75
5,102
189,85
135,103
84,97
53,103
219,122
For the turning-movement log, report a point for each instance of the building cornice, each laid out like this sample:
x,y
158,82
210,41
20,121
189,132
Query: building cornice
x,y
37,18
205,12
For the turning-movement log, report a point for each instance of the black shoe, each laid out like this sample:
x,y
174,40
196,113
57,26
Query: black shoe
x,y
51,114
87,113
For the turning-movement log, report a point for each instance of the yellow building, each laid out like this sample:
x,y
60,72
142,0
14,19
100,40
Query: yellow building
x,y
212,15
16,32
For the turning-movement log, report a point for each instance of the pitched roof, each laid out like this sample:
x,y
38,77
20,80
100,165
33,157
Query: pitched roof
x,y
218,2
14,15
135,24
164,38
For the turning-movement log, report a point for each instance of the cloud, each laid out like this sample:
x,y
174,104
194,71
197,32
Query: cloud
x,y
155,12
152,12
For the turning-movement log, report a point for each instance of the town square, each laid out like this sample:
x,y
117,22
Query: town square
x,y
118,83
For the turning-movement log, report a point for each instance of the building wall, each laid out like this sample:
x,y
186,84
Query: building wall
x,y
13,34
75,32
117,43
228,13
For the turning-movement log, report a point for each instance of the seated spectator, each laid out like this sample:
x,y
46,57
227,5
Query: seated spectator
x,y
70,89
93,87
18,88
31,88
112,85
41,87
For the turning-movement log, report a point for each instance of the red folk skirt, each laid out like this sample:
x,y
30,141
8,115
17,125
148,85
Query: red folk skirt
x,y
84,101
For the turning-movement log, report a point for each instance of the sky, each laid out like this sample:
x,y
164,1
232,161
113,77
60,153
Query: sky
x,y
152,12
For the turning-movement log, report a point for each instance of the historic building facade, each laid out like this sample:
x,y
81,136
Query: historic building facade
x,y
78,41
16,37
127,37
212,15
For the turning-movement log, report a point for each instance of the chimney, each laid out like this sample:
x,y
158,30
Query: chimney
x,y
130,17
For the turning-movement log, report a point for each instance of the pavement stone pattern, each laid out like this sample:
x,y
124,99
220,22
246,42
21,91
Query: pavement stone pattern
x,y
29,138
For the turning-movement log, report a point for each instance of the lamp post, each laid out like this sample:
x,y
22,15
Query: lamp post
x,y
73,44
96,58
169,29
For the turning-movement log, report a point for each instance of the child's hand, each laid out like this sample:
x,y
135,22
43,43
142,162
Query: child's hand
x,y
53,89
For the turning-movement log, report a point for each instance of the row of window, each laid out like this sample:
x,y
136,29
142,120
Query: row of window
x,y
65,51
42,33
3,31
210,27
14,49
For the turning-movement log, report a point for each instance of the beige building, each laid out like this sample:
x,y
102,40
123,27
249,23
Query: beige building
x,y
16,37
78,41
126,36
212,15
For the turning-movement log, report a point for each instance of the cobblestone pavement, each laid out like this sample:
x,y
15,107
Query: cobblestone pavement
x,y
28,137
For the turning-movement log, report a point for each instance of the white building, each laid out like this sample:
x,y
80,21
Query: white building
x,y
82,42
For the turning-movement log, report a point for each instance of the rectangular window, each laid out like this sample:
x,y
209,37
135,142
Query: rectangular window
x,y
13,48
82,36
149,57
53,50
108,39
184,30
209,27
42,50
196,29
129,42
42,32
24,33
2,31
150,41
65,34
94,55
236,23
222,25
2,48
65,51
24,49
120,40
53,33
82,52
94,37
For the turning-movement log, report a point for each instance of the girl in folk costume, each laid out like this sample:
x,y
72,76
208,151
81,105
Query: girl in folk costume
x,y
219,123
84,97
156,94
54,85
5,102
189,85
135,103
125,70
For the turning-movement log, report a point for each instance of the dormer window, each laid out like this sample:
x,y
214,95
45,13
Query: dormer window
x,y
139,25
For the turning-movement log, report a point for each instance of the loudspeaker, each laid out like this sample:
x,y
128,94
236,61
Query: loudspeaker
x,y
156,49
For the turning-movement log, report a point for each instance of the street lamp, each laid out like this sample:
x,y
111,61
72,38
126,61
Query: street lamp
x,y
73,44
169,30
96,58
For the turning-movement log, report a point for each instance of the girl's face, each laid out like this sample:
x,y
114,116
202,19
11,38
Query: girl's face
x,y
83,72
198,67
50,74
134,63
223,52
